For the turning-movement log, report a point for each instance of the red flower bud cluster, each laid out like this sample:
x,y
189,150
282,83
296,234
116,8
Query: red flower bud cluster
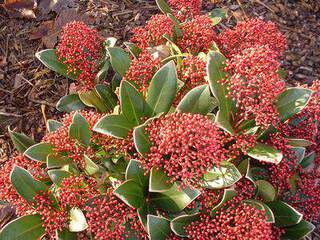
x,y
254,84
185,146
197,35
151,34
8,192
185,9
80,48
252,33
142,70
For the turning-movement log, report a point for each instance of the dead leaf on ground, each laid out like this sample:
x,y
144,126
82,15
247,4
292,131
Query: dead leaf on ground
x,y
7,214
20,8
46,6
42,31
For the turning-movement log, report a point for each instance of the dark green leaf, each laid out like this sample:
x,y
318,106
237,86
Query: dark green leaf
x,y
141,140
266,153
70,103
79,129
119,59
175,199
39,152
308,160
163,6
66,235
103,72
135,172
159,181
292,101
49,58
143,214
28,227
298,231
115,82
25,185
132,103
158,227
198,100
53,125
92,99
20,140
133,49
57,161
113,125
265,190
285,215
58,175
179,224
221,177
107,95
162,89
78,222
131,193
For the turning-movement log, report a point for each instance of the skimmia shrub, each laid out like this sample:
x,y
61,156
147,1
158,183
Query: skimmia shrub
x,y
195,135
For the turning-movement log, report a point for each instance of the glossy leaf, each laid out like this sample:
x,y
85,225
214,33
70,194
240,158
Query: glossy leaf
x,y
163,6
162,89
175,199
266,153
28,227
158,227
78,222
292,101
198,100
143,213
135,172
49,58
119,59
262,207
20,140
285,215
25,185
92,99
179,224
91,167
107,95
298,142
79,129
298,231
58,175
53,125
133,49
57,161
103,72
114,125
265,190
221,177
131,193
70,103
159,181
39,152
308,160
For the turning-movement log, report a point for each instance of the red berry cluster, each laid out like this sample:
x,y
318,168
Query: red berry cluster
x,y
151,34
142,70
185,146
252,33
185,9
254,84
197,35
80,49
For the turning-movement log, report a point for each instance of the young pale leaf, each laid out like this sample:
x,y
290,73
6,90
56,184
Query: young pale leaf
x,y
158,227
25,185
92,99
299,231
179,224
39,152
28,227
162,89
217,14
292,101
58,175
215,66
133,49
132,103
266,153
228,194
20,140
308,160
285,215
159,181
119,59
198,100
57,161
135,172
78,222
107,95
70,103
49,58
53,125
298,142
131,193
175,199
163,6
79,129
262,207
265,190
221,177
113,125
90,168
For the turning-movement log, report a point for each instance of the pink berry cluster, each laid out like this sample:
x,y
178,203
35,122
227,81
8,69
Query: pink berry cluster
x,y
185,9
80,48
